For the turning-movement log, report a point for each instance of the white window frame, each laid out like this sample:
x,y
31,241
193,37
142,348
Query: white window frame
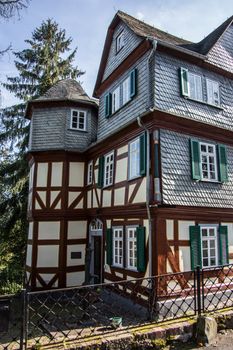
x,y
210,94
208,239
126,91
116,99
78,111
118,246
108,169
208,154
197,80
134,158
120,41
131,248
90,172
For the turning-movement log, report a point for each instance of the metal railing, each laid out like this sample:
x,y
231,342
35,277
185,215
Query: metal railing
x,y
82,313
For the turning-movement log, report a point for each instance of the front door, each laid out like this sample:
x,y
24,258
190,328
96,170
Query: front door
x,y
96,256
97,259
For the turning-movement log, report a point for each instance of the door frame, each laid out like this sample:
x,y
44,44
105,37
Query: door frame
x,y
96,230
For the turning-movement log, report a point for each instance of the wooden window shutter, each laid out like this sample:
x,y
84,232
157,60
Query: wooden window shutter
x,y
184,83
195,246
101,172
141,256
133,83
223,245
109,245
108,105
195,160
222,163
143,154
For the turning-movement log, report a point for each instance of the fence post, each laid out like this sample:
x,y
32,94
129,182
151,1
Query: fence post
x,y
198,290
23,336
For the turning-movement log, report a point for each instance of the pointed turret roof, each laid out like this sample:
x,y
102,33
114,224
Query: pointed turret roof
x,y
66,90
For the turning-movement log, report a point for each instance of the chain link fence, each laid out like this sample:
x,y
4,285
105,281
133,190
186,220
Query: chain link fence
x,y
76,315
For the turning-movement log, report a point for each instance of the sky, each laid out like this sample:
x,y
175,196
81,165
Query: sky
x,y
87,21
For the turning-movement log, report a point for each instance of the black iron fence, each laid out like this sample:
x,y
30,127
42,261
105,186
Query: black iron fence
x,y
77,315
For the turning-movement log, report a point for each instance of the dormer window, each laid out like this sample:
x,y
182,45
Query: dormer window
x,y
120,42
78,120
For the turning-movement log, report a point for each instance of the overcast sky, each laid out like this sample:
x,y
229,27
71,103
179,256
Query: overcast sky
x,y
86,21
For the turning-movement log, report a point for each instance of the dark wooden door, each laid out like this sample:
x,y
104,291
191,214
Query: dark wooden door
x,y
97,259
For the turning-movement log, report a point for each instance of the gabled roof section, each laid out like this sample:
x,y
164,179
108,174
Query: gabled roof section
x,y
145,30
139,28
66,90
205,45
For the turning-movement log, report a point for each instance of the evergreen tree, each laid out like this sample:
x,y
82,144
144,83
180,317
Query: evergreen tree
x,y
39,66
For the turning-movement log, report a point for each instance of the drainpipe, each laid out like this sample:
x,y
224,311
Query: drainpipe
x,y
148,190
141,125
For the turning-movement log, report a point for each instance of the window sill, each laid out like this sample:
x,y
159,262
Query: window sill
x,y
204,103
134,178
85,131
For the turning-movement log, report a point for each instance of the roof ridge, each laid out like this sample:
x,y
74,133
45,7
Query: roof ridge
x,y
121,13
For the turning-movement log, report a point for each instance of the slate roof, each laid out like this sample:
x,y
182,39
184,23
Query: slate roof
x,y
67,89
145,30
205,45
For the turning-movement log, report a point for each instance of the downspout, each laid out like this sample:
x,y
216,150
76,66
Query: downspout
x,y
154,42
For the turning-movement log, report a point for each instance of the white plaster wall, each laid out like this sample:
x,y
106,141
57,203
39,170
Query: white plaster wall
x,y
96,172
121,170
184,259
141,193
75,278
131,188
30,230
183,227
31,176
42,195
89,199
72,196
53,196
109,223
95,203
49,230
48,256
122,150
30,201
56,176
42,174
76,248
47,278
119,196
170,229
79,205
77,229
107,195
76,174
29,255
169,269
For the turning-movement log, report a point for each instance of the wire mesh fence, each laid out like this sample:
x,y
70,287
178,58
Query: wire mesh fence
x,y
41,318
217,288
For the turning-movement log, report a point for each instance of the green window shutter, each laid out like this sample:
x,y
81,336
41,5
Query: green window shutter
x,y
141,256
223,245
143,153
133,83
222,163
109,245
195,246
108,105
101,172
195,160
184,84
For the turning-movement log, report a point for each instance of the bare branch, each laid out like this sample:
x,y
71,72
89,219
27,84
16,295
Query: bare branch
x,y
9,8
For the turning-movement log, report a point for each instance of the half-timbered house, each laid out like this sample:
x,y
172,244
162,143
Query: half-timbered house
x,y
140,183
